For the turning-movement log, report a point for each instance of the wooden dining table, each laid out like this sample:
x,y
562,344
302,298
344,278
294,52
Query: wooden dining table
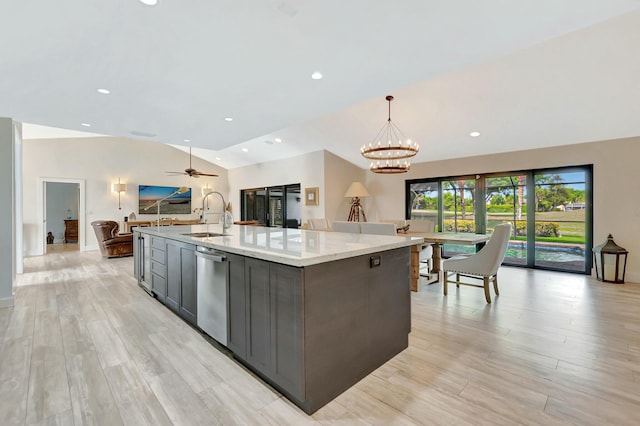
x,y
437,239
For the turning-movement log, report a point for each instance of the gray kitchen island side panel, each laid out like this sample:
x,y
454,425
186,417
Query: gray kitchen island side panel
x,y
237,306
258,314
356,318
188,284
286,328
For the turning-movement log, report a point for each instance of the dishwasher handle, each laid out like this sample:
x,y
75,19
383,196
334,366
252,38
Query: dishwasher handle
x,y
211,256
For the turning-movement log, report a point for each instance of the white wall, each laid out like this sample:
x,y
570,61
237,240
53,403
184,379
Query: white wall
x,y
7,212
616,174
100,162
307,170
339,174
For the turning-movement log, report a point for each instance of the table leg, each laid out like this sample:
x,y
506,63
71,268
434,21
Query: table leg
x,y
437,256
415,267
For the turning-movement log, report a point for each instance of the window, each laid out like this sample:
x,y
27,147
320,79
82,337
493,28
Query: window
x,y
550,211
277,206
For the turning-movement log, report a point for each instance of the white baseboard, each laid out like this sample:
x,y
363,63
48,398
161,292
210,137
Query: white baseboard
x,y
6,303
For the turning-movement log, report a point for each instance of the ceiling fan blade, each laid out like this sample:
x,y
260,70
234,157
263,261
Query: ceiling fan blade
x,y
175,173
204,174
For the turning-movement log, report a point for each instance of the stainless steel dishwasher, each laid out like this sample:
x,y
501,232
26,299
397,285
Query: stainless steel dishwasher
x,y
212,274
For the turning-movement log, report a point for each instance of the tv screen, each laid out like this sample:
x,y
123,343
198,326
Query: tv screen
x,y
175,204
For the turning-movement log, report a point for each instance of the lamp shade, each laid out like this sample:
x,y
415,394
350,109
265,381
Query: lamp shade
x,y
356,189
119,187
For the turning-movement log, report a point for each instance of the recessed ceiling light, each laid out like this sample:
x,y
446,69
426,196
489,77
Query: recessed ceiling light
x,y
228,119
85,124
218,158
149,2
316,75
145,134
186,140
245,150
474,134
278,140
104,91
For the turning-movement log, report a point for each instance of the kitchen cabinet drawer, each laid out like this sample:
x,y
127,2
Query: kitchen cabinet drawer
x,y
159,269
157,255
157,242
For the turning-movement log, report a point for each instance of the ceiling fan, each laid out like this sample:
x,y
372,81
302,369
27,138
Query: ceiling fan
x,y
190,171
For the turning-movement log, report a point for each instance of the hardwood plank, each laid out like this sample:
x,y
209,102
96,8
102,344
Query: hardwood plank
x,y
64,418
91,397
551,349
181,404
197,376
48,383
230,407
108,345
149,360
136,402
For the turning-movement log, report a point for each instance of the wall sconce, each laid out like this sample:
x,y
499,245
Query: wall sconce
x,y
206,189
119,188
611,261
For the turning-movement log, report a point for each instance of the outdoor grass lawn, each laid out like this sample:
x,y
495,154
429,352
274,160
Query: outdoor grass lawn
x,y
571,223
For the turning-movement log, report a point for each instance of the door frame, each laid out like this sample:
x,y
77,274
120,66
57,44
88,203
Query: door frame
x,y
41,197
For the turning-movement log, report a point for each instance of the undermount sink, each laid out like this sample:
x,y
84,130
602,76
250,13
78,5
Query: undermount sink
x,y
205,234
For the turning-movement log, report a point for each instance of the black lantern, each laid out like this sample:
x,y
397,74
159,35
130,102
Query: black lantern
x,y
611,261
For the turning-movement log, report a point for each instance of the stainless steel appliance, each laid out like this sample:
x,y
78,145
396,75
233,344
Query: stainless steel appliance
x,y
212,275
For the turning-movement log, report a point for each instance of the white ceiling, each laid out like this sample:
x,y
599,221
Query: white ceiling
x,y
524,73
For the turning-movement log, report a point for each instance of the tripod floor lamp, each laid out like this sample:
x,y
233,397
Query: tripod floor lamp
x,y
355,191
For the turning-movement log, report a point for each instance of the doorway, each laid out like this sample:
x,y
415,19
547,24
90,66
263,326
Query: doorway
x,y
61,215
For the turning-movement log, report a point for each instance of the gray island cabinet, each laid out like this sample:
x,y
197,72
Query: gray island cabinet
x,y
310,312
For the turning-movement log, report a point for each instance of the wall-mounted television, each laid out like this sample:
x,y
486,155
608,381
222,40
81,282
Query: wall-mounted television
x,y
176,204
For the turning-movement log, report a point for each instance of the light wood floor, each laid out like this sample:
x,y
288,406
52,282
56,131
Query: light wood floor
x,y
58,247
85,345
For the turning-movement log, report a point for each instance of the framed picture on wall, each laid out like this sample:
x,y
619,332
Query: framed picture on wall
x,y
311,196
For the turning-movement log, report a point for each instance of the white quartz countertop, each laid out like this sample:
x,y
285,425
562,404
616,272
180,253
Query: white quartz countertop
x,y
295,247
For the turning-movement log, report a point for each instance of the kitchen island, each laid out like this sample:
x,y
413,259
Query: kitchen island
x,y
311,312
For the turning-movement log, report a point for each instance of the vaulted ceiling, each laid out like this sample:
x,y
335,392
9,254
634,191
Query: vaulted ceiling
x,y
525,74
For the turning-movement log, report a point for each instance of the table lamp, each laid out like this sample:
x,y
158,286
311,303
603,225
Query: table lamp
x,y
355,191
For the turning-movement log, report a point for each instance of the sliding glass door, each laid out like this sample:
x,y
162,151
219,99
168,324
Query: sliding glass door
x,y
277,206
550,211
561,219
506,201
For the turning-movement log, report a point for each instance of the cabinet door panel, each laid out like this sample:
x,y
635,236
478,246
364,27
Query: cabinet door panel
x,y
237,334
258,315
159,287
173,275
188,287
286,327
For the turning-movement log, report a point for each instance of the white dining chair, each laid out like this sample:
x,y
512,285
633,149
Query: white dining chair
x,y
482,265
318,224
426,226
352,227
378,228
